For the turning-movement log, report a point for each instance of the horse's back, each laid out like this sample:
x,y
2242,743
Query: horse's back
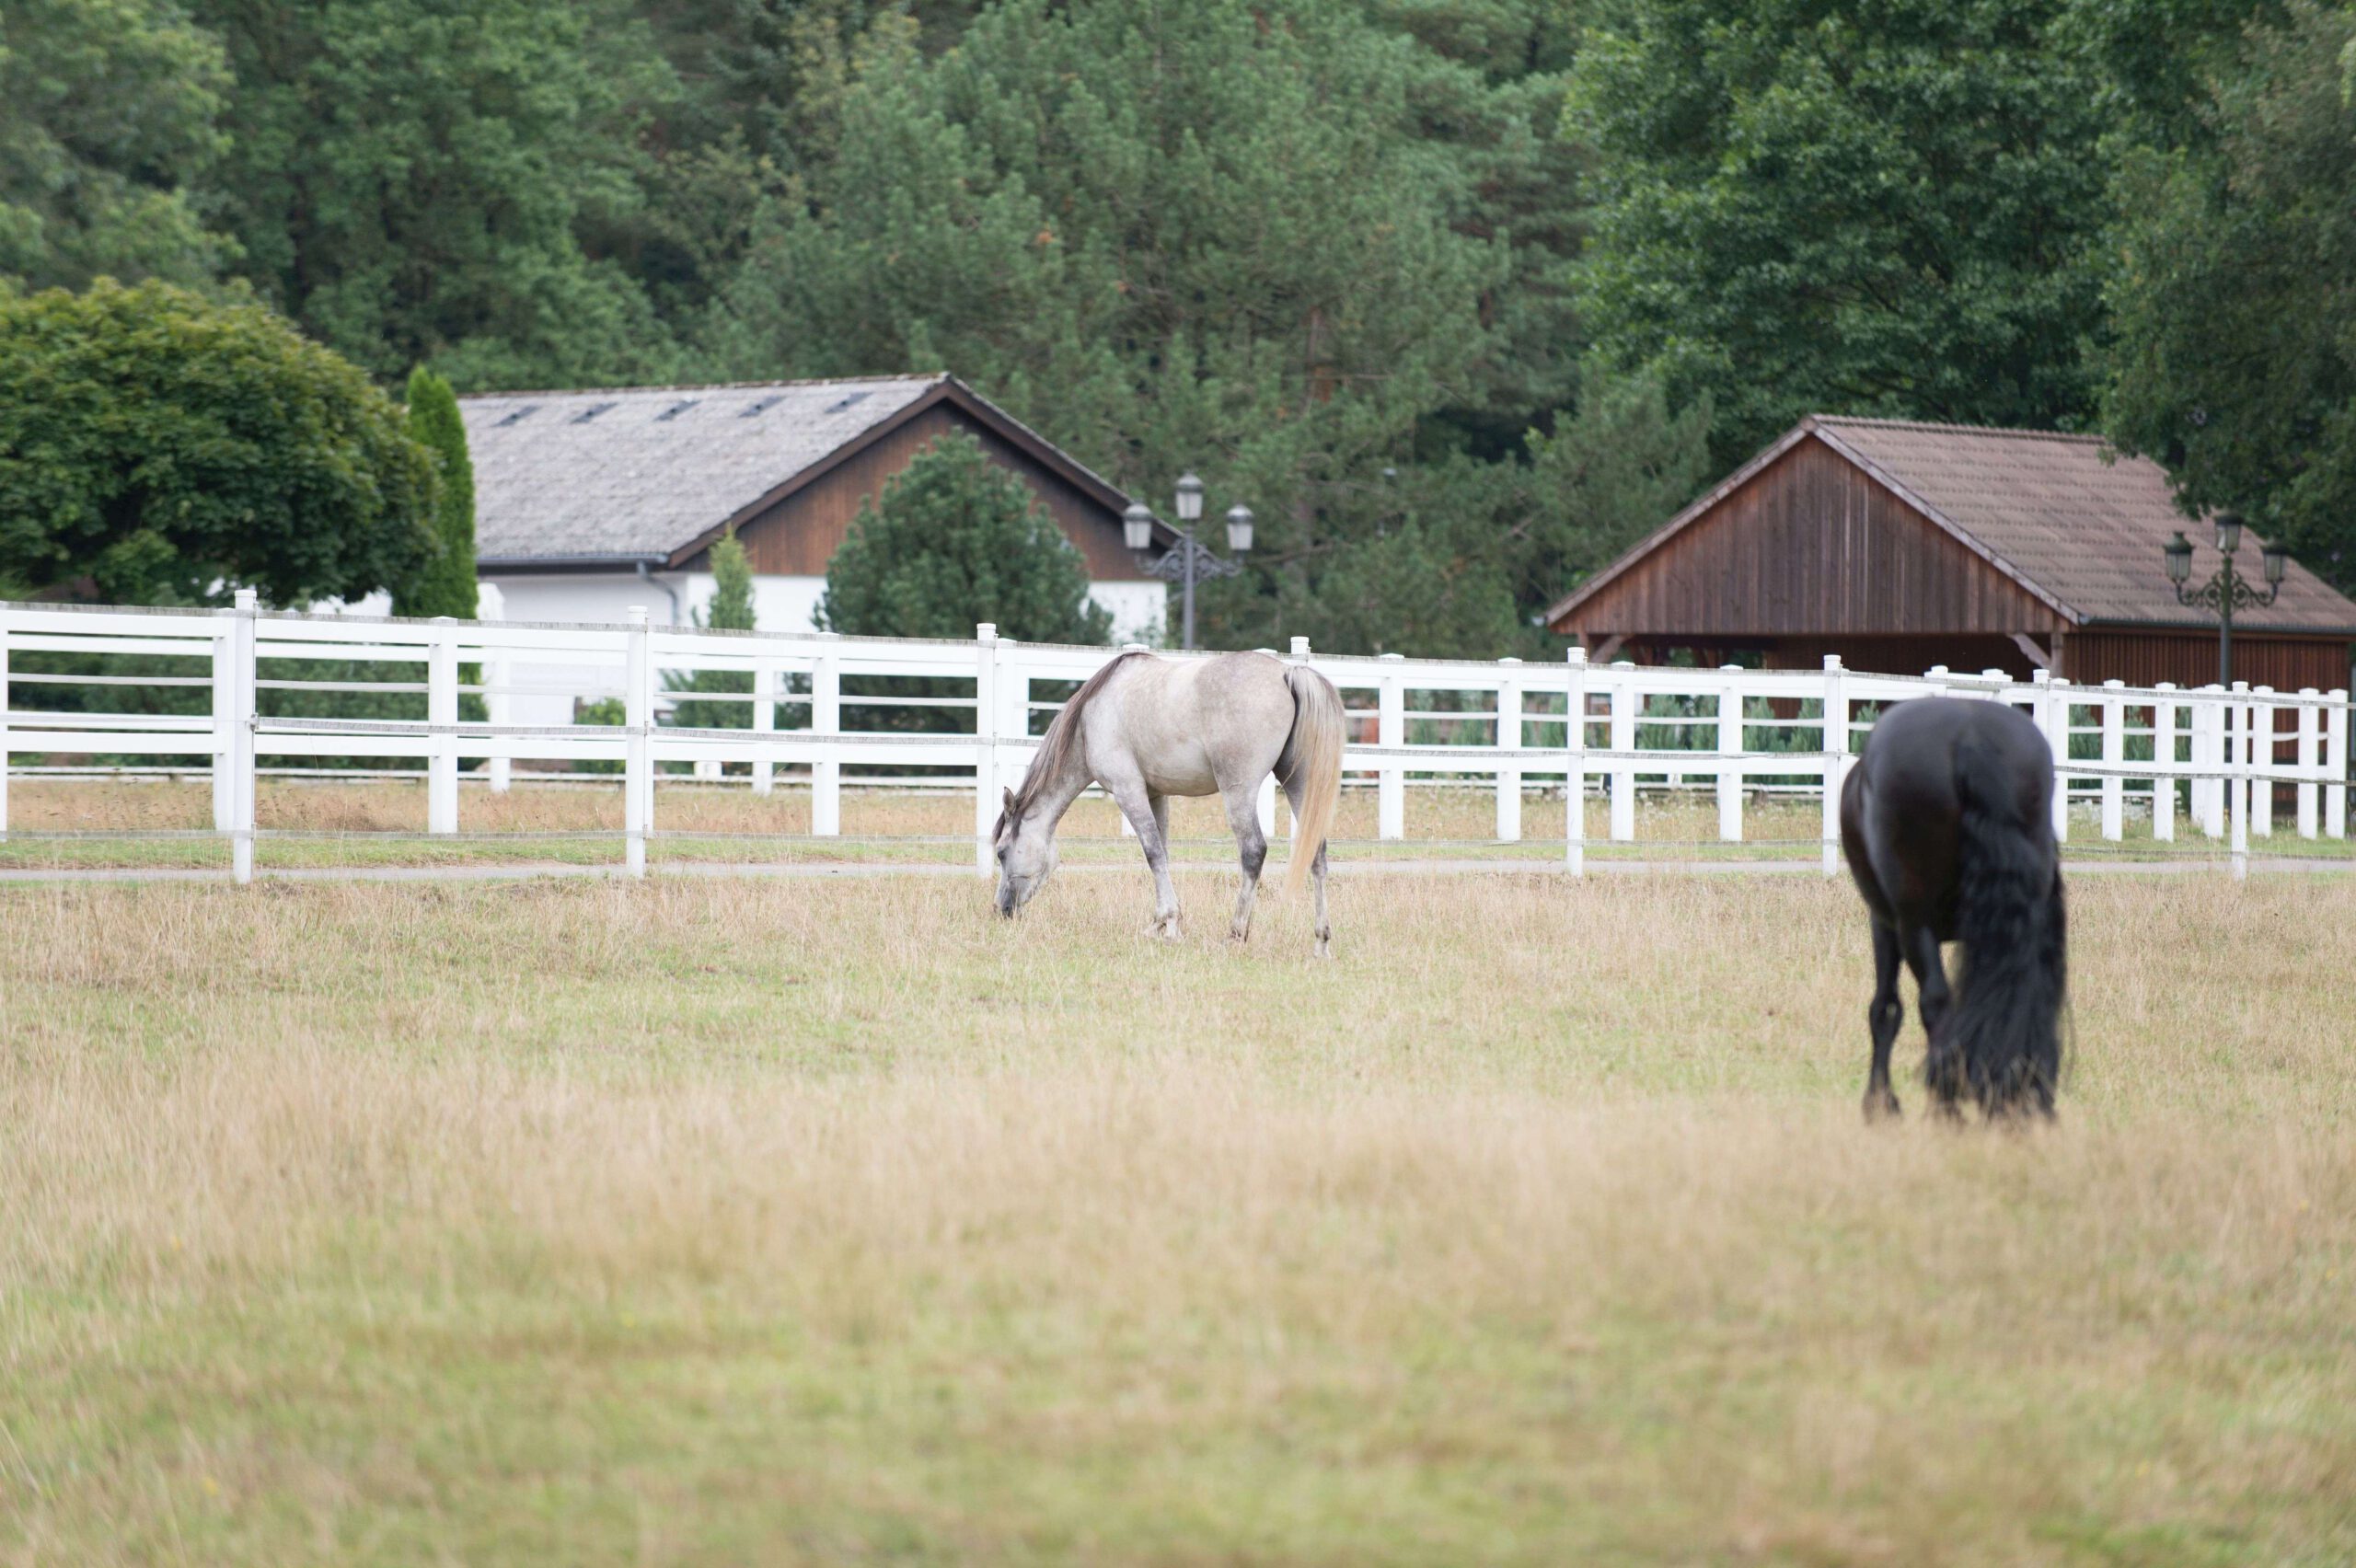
x,y
1187,724
1901,812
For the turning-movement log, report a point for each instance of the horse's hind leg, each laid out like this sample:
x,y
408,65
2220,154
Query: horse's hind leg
x,y
1317,871
1943,1067
1883,1016
1251,848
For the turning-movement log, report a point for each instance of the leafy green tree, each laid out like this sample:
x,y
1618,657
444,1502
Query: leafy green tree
x,y
1203,233
449,181
957,540
109,113
157,447
731,609
446,584
2235,297
1878,209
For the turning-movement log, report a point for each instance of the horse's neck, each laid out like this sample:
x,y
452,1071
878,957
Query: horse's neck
x,y
1059,791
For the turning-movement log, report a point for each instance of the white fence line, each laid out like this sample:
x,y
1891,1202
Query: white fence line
x,y
2228,751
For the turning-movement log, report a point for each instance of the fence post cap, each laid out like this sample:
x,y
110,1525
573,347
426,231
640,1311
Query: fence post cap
x,y
1574,653
2165,685
1300,648
1995,676
1269,652
2114,686
2040,677
2241,685
1135,647
1730,669
2309,691
1832,660
1391,656
2264,690
635,615
1624,664
247,600
986,631
2337,694
1509,659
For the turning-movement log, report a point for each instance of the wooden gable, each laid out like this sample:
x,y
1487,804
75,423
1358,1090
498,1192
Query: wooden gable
x,y
1804,544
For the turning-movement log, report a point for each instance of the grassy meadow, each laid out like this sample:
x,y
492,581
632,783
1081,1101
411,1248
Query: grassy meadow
x,y
766,1222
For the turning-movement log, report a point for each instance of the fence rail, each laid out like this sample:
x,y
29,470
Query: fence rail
x,y
2218,756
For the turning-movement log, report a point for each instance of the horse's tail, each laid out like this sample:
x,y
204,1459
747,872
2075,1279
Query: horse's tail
x,y
2005,1028
1315,752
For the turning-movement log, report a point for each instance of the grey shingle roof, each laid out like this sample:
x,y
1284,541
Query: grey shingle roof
x,y
2071,516
642,471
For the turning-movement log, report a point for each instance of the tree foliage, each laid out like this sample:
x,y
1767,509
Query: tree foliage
x,y
1885,208
956,541
731,609
2235,297
109,112
159,448
445,584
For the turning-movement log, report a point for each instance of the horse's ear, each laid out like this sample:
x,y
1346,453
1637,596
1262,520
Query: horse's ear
x,y
1010,799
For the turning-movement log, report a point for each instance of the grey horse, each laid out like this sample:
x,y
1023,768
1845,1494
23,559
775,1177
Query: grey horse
x,y
1147,729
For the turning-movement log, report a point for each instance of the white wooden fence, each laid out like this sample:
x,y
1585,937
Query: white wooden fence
x,y
1501,723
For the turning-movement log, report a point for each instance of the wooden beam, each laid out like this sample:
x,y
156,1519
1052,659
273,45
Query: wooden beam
x,y
2038,657
1601,652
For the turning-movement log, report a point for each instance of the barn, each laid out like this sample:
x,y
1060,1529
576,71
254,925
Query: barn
x,y
588,502
1898,546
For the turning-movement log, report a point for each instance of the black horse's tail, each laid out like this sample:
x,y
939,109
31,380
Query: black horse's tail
x,y
2005,1029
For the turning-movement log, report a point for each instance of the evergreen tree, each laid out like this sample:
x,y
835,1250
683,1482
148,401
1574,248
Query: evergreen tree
x,y
2236,297
731,609
445,586
959,540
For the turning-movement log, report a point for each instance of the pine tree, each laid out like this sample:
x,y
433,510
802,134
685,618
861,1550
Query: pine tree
x,y
445,586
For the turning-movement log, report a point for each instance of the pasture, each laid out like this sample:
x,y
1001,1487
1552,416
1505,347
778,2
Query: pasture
x,y
765,1222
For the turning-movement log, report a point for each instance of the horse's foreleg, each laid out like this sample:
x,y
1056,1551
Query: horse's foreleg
x,y
1252,850
1149,815
1883,1017
1943,1067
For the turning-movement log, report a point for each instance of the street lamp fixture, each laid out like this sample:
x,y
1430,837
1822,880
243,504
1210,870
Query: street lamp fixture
x,y
1189,561
2226,591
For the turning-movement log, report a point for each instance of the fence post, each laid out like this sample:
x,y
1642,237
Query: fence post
x,y
1730,780
2208,756
4,726
225,707
2237,763
1624,739
1836,754
2261,760
1390,731
442,714
2053,718
827,718
2114,755
2164,758
1575,765
243,674
1508,738
2310,748
986,802
764,693
2336,766
638,765
498,704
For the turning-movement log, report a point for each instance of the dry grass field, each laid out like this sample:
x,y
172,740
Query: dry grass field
x,y
704,1221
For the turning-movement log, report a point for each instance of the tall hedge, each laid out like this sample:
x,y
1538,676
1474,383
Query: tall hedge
x,y
446,583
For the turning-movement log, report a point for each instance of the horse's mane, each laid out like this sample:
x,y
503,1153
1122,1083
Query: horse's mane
x,y
1054,746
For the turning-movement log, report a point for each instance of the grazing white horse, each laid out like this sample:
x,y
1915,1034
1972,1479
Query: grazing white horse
x,y
1147,729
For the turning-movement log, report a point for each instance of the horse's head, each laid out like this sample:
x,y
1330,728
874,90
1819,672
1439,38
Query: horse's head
x,y
1025,845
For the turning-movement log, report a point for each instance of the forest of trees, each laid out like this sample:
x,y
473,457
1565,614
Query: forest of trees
x,y
1459,296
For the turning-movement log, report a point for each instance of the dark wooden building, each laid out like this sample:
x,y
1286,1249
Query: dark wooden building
x,y
587,502
1900,545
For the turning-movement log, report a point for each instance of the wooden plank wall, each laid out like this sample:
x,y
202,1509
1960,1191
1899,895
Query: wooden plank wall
x,y
2189,658
1811,545
798,535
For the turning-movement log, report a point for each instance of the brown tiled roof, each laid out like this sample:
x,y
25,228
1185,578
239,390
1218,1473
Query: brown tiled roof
x,y
2070,516
2078,524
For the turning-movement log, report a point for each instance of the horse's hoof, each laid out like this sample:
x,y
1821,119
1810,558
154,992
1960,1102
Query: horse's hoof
x,y
1882,1107
1324,948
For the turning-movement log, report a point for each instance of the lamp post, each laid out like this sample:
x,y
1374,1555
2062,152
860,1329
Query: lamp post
x,y
1188,562
2226,591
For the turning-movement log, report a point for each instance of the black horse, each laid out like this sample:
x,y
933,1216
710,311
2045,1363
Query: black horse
x,y
1947,821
